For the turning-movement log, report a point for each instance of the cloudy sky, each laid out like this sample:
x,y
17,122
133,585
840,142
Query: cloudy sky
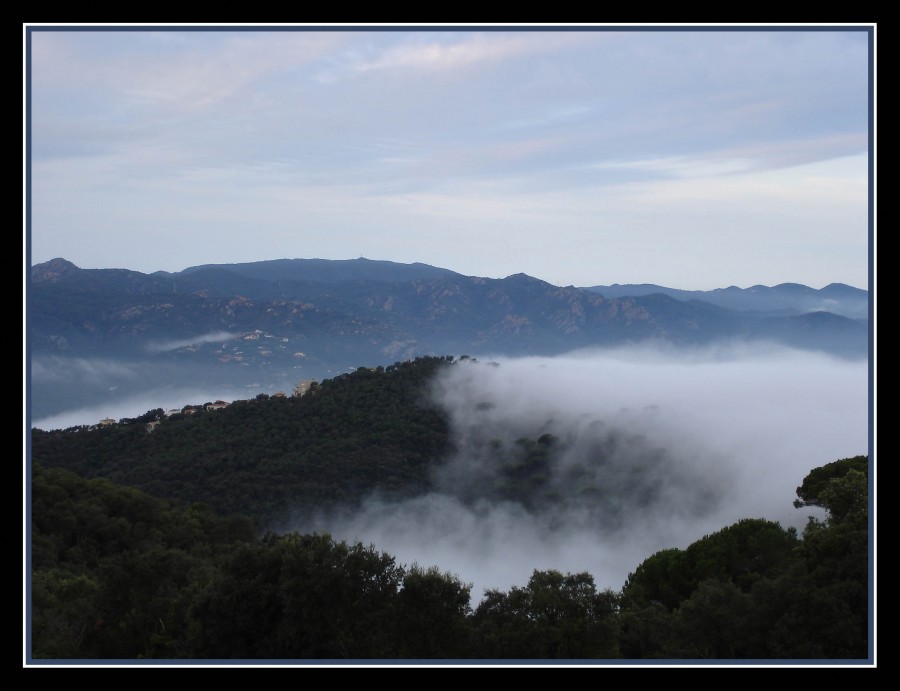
x,y
693,159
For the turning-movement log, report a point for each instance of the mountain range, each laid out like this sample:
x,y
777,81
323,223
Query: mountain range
x,y
273,323
784,299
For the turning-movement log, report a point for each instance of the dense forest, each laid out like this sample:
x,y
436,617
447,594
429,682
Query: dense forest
x,y
157,544
372,428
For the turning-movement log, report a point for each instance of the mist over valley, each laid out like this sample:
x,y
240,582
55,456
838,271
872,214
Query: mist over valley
x,y
484,345
595,460
590,461
527,455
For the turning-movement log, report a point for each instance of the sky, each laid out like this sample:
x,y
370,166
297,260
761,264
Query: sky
x,y
691,159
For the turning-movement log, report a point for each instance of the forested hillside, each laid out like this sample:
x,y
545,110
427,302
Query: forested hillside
x,y
372,429
154,540
117,574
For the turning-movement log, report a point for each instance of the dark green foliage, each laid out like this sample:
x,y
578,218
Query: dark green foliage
x,y
660,580
741,553
819,479
119,574
714,623
299,596
554,616
754,590
645,632
265,457
796,617
431,617
115,570
62,614
836,555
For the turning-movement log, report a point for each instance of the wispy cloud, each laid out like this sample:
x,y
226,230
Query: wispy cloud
x,y
174,71
53,369
451,52
216,337
193,137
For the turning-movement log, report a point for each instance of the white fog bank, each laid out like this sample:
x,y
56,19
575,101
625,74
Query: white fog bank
x,y
643,450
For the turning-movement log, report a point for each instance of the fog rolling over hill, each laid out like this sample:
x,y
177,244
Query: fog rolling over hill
x,y
595,460
594,429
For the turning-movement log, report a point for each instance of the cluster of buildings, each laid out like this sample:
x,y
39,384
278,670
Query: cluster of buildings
x,y
303,386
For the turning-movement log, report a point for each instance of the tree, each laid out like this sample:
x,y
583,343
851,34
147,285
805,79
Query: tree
x,y
810,492
554,616
713,623
836,553
299,596
742,553
431,615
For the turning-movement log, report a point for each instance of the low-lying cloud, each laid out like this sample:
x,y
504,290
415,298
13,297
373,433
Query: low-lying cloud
x,y
594,461
56,370
66,392
213,337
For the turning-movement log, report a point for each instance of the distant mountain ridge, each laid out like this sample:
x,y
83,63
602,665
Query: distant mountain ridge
x,y
324,270
270,324
284,276
785,298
